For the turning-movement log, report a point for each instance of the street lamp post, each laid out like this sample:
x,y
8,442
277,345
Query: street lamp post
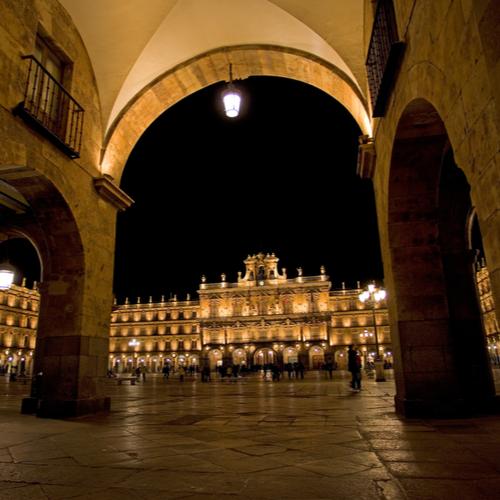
x,y
373,295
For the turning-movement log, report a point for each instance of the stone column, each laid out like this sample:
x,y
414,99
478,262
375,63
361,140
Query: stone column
x,y
71,355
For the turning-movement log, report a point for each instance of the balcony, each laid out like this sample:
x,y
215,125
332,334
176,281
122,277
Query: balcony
x,y
384,54
51,110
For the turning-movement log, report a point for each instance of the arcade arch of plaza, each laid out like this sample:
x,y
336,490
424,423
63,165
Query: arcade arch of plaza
x,y
432,152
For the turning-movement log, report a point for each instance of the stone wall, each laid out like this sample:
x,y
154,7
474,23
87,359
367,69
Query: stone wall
x,y
72,227
446,65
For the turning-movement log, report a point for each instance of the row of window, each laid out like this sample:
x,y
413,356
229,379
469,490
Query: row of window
x,y
17,341
238,310
140,316
154,330
14,301
181,345
20,321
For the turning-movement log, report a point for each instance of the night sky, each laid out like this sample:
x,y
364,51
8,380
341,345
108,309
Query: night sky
x,y
20,253
210,190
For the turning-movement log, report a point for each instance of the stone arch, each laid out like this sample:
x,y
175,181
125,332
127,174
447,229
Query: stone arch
x,y
215,357
316,357
436,327
290,355
71,362
239,356
264,356
473,136
212,67
194,359
340,357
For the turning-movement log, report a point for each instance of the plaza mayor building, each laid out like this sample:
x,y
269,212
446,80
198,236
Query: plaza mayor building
x,y
19,307
264,317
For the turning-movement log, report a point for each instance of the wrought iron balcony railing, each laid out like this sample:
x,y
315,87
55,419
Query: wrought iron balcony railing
x,y
384,54
51,110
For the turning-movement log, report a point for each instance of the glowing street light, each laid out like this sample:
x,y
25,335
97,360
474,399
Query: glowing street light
x,y
6,275
7,270
373,296
231,97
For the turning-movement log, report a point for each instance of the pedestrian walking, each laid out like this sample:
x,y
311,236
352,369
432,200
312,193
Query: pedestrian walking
x,y
354,366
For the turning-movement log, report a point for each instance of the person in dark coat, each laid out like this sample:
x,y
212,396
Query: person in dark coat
x,y
354,366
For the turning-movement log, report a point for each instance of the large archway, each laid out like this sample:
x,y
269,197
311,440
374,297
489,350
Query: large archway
x,y
212,67
278,149
441,360
71,351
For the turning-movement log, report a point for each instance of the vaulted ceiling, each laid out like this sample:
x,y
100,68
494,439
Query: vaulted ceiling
x,y
132,42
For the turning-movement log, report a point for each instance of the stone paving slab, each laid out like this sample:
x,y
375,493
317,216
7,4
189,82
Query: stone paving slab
x,y
250,439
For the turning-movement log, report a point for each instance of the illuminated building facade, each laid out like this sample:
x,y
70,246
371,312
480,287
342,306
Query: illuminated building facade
x,y
153,334
487,304
264,317
18,322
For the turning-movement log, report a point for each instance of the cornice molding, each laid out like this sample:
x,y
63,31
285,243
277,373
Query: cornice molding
x,y
109,191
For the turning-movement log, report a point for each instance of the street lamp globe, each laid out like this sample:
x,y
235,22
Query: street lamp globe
x,y
7,272
232,101
231,97
372,296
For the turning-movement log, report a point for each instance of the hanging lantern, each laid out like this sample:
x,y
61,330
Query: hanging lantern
x,y
231,97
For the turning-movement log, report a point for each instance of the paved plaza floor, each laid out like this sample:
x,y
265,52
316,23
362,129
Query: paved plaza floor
x,y
248,439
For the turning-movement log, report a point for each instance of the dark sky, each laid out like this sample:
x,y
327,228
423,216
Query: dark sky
x,y
21,254
210,190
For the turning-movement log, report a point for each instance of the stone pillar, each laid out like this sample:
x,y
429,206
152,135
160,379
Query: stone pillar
x,y
279,359
71,355
441,367
204,358
329,355
72,349
227,357
304,359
